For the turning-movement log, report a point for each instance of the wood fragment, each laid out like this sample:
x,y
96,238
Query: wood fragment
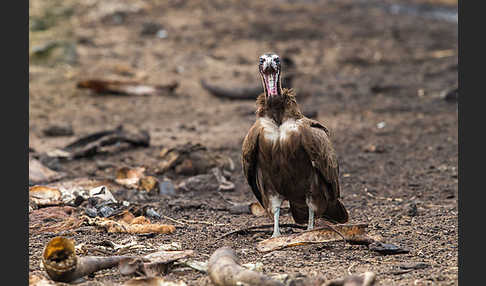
x,y
224,269
257,228
102,86
188,221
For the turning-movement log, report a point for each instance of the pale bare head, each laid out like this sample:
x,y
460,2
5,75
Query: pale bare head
x,y
270,70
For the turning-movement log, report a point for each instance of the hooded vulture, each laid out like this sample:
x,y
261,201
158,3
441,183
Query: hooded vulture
x,y
287,156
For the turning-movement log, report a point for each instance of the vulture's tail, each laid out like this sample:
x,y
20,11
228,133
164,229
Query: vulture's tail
x,y
336,212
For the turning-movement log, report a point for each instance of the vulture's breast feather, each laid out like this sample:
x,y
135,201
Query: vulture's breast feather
x,y
286,168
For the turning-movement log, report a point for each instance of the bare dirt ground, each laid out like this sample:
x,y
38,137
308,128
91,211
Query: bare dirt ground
x,y
361,65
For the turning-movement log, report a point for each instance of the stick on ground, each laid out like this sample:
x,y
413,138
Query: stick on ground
x,y
224,269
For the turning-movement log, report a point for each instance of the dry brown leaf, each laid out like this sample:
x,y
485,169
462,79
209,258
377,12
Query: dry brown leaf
x,y
148,184
45,196
37,280
123,227
257,210
351,232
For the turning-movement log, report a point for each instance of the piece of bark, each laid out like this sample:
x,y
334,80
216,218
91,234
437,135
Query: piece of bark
x,y
224,269
153,264
109,141
365,279
351,232
102,86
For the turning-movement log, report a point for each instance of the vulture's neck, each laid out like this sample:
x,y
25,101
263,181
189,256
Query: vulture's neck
x,y
279,108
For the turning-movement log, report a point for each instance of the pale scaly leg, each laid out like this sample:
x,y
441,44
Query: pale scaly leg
x,y
276,228
275,202
310,224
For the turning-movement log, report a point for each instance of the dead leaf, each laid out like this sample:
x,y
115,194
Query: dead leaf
x,y
37,280
351,232
39,173
257,209
102,86
149,184
140,226
45,196
129,177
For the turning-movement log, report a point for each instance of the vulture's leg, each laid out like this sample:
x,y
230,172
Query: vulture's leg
x,y
310,224
310,206
275,205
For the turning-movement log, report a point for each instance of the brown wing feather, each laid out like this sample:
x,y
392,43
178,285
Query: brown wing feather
x,y
249,159
320,150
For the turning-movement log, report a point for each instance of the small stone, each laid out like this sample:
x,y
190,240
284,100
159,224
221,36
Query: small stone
x,y
150,29
58,130
91,212
152,213
106,211
412,210
167,188
381,125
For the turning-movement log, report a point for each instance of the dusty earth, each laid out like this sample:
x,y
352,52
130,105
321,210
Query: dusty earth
x,y
375,74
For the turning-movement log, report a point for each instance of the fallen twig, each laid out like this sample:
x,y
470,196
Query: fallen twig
x,y
224,269
188,221
256,227
128,88
233,93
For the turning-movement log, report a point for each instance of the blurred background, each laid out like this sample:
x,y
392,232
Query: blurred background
x,y
381,74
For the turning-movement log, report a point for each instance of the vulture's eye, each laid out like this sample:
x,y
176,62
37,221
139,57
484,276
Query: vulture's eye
x,y
261,60
277,61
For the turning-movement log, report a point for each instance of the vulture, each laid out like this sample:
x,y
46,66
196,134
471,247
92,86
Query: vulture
x,y
287,156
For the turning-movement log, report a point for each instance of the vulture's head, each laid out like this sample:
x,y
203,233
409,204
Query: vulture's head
x,y
269,68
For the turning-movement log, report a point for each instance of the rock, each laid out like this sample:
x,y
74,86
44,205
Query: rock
x,y
150,28
450,95
166,188
414,265
58,130
412,210
200,183
387,248
105,211
54,52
